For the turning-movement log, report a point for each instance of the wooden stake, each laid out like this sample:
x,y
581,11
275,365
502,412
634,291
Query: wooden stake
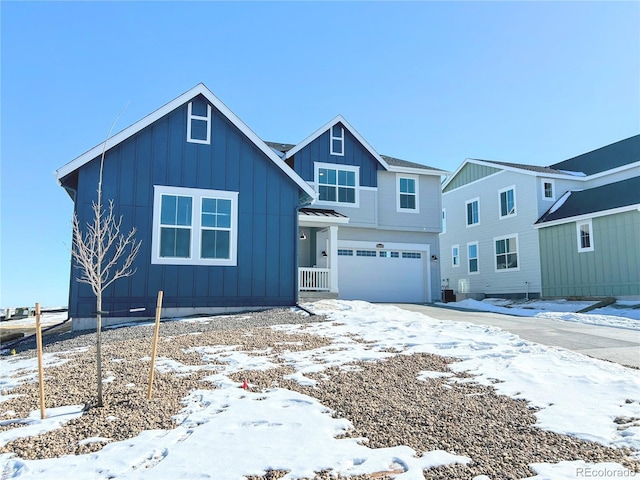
x,y
43,413
155,344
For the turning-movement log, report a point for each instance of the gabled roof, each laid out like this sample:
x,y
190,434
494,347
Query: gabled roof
x,y
389,163
199,89
327,126
615,155
529,168
617,195
515,167
396,164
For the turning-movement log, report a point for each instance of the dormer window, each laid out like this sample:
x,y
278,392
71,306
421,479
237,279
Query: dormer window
x,y
336,140
199,123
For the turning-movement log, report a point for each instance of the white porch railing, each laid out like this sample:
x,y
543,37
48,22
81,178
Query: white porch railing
x,y
313,279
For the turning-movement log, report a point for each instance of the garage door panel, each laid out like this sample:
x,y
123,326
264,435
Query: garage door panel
x,y
396,276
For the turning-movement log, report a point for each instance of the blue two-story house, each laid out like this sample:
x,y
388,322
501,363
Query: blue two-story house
x,y
229,222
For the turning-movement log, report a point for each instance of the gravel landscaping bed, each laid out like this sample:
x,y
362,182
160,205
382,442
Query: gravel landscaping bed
x,y
383,400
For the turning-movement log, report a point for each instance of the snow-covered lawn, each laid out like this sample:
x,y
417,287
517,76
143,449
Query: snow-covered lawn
x,y
251,432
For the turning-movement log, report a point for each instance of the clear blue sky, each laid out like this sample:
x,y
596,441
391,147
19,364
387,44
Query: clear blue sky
x,y
429,82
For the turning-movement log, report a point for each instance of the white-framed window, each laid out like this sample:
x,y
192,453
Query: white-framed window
x,y
193,226
507,200
584,231
444,220
407,197
472,257
337,184
548,189
198,126
506,252
336,140
473,212
455,255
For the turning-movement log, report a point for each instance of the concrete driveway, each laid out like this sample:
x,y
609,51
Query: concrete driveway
x,y
617,345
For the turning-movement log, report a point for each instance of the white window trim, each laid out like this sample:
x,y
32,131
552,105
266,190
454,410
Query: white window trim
x,y
466,218
453,256
336,166
515,203
477,272
196,228
416,179
191,117
332,138
495,253
578,225
552,198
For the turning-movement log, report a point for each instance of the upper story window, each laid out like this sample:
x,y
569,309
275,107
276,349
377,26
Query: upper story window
x,y
407,198
473,212
584,231
455,255
194,226
472,257
507,202
198,123
548,190
337,184
336,140
506,252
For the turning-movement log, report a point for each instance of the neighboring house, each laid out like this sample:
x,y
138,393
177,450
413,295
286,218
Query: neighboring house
x,y
490,246
226,220
590,242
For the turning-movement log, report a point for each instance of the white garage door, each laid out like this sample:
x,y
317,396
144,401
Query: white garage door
x,y
382,275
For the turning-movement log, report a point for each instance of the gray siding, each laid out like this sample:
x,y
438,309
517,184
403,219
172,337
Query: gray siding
x,y
611,269
488,280
429,199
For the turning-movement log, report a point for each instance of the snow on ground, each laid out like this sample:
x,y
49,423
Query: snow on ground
x,y
46,319
619,315
252,432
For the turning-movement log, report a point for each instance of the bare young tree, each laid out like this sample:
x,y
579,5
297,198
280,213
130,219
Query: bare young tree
x,y
99,254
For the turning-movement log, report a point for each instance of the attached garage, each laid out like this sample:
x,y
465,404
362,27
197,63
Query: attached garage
x,y
393,273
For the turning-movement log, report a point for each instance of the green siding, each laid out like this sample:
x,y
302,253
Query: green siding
x,y
611,269
470,173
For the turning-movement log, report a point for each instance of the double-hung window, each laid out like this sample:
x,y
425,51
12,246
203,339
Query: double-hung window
x,y
337,184
194,226
506,252
473,212
199,123
548,189
336,140
455,255
584,231
407,199
472,257
507,202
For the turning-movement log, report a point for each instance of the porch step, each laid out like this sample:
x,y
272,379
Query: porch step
x,y
305,297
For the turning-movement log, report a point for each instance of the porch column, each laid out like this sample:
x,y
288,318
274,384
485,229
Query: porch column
x,y
333,259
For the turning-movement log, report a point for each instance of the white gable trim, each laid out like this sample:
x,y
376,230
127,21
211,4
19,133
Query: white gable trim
x,y
199,89
587,216
329,125
509,169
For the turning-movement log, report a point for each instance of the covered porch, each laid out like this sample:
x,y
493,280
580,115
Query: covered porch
x,y
318,252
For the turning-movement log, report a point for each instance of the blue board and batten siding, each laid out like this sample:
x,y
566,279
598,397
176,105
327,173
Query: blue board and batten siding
x,y
355,154
159,154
